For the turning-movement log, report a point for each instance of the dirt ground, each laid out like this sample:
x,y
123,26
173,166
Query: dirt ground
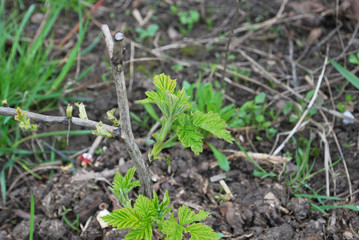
x,y
268,39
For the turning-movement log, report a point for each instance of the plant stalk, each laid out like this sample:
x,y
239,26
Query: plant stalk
x,y
157,148
125,121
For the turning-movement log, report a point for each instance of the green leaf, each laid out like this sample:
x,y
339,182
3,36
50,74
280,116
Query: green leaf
x,y
144,231
125,183
348,75
172,229
221,158
187,216
152,97
353,59
166,201
101,131
69,109
151,111
288,107
260,118
310,94
352,207
82,110
213,123
110,116
170,104
163,83
201,232
124,218
190,137
260,98
145,206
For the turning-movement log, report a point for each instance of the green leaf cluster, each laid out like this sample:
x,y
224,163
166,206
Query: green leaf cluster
x,y
147,215
122,185
25,121
173,228
149,32
101,131
188,126
111,116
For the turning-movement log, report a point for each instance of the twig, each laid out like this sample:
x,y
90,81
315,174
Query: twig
x,y
131,146
265,73
327,160
293,65
307,108
132,68
86,176
6,111
266,158
229,40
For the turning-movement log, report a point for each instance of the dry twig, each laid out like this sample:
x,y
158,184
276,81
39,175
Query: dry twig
x,y
307,108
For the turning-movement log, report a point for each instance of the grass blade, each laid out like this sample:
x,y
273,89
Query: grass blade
x,y
348,75
72,57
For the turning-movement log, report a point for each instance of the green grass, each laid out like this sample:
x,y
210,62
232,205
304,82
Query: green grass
x,y
29,77
354,80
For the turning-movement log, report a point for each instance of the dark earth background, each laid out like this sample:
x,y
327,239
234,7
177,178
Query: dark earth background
x,y
260,208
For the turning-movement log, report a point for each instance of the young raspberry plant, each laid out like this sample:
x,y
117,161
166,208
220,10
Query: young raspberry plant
x,y
147,215
178,119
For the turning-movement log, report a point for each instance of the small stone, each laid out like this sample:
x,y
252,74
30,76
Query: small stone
x,y
350,115
348,235
37,18
99,216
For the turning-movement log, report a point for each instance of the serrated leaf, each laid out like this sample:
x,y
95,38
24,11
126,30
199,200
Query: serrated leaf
x,y
184,119
145,206
124,218
201,215
155,200
172,229
152,97
201,232
213,123
144,231
187,216
190,137
166,200
163,83
125,183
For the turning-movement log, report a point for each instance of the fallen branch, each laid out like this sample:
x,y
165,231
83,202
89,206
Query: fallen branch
x,y
262,157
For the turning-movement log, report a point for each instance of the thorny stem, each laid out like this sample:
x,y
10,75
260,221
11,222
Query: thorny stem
x,y
132,148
